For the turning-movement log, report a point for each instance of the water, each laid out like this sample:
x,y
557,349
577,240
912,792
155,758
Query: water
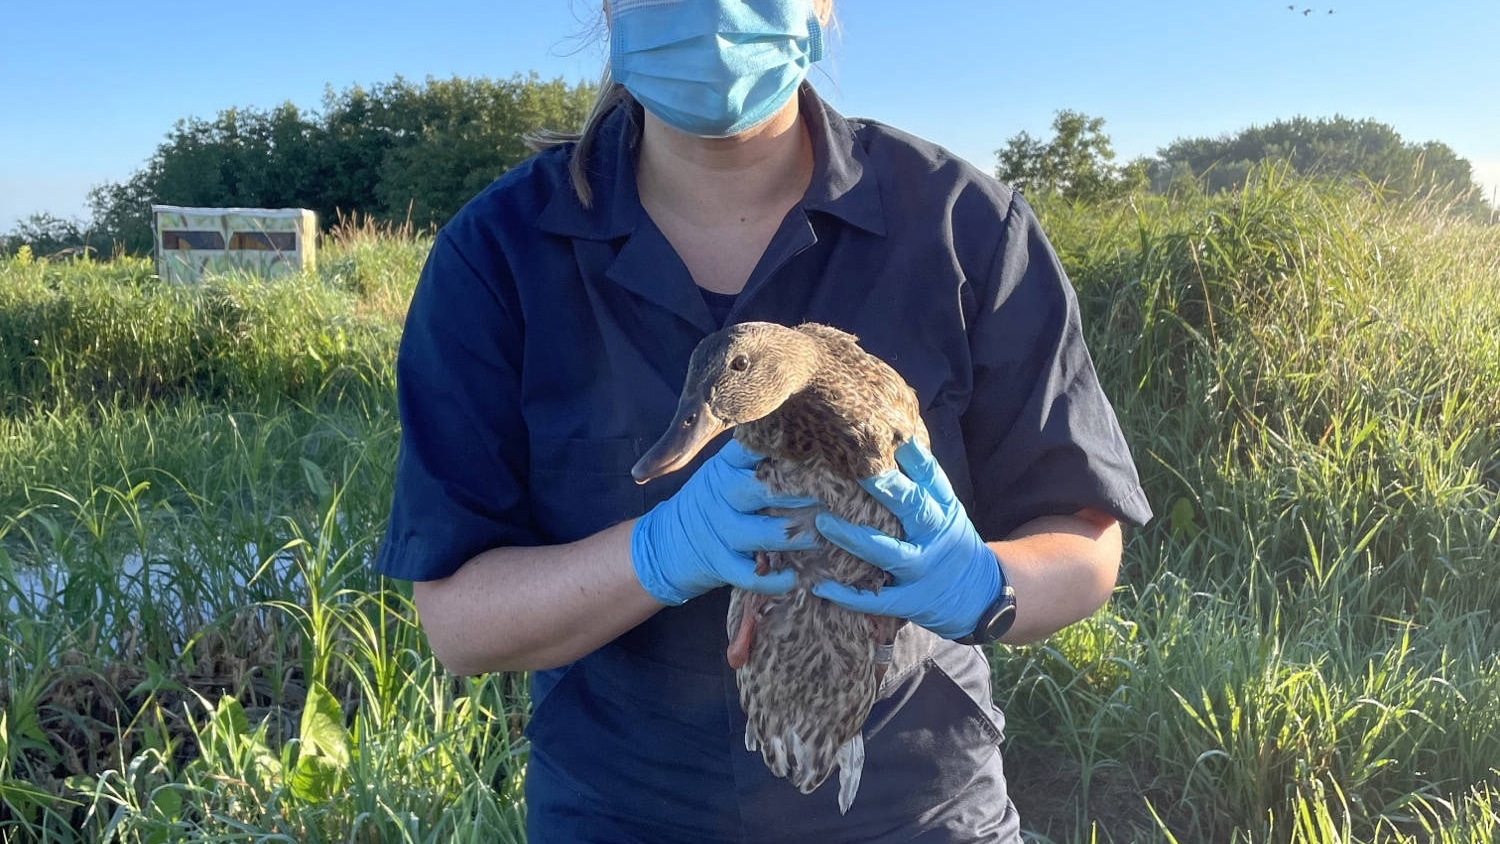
x,y
39,591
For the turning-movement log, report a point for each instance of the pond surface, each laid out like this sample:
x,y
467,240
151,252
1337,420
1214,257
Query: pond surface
x,y
38,591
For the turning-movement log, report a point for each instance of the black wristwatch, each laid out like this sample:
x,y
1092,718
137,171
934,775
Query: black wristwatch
x,y
995,620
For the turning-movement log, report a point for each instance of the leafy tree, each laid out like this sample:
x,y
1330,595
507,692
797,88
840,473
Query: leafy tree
x,y
1076,163
393,151
1338,148
122,210
357,134
243,157
47,234
466,133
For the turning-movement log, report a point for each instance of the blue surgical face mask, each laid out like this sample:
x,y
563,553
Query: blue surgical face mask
x,y
713,68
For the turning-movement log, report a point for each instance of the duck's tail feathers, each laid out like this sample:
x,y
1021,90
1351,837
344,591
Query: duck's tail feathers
x,y
774,752
811,764
851,761
794,759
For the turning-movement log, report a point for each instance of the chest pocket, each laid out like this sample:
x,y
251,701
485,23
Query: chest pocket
x,y
582,486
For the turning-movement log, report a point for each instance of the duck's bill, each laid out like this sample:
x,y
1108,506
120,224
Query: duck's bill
x,y
689,432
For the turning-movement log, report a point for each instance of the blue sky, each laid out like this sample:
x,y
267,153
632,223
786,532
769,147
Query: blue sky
x,y
88,89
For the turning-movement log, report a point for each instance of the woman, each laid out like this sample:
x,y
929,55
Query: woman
x,y
544,349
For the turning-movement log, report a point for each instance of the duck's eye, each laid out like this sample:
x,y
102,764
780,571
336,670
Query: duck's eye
x,y
690,421
739,363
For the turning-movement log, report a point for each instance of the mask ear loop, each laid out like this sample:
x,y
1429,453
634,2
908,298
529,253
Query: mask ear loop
x,y
814,39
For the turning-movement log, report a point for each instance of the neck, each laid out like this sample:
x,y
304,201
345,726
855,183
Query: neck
x,y
761,172
785,431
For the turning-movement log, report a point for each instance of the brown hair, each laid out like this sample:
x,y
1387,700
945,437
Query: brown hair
x,y
611,95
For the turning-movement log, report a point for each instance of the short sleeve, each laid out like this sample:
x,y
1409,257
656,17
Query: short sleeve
x,y
1042,439
461,468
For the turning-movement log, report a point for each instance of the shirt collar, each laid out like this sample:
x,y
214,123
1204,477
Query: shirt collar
x,y
841,184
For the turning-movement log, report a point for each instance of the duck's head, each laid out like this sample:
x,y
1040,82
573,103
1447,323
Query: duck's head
x,y
739,374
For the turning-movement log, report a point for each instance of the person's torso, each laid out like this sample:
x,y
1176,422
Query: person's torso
x,y
649,726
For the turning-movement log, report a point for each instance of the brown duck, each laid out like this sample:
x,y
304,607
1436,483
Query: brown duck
x,y
825,414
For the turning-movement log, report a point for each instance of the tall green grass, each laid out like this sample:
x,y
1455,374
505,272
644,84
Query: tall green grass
x,y
195,649
84,333
1303,647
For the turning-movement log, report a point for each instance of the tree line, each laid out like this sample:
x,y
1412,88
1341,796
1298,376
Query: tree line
x,y
407,152
396,152
1078,162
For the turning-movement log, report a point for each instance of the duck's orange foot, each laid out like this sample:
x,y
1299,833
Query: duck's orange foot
x,y
739,649
762,563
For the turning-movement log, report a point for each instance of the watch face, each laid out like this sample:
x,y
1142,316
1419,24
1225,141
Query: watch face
x,y
1003,617
997,619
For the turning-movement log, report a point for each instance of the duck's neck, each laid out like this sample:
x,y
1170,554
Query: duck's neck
x,y
820,425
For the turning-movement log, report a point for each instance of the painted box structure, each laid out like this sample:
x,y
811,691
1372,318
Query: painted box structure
x,y
192,242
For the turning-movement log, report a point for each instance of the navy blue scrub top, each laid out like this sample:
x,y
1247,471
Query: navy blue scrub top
x,y
544,350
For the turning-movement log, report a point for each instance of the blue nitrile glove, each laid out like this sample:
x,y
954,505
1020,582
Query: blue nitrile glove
x,y
945,576
704,536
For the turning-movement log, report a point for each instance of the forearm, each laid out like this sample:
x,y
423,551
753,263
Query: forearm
x,y
1063,569
515,609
